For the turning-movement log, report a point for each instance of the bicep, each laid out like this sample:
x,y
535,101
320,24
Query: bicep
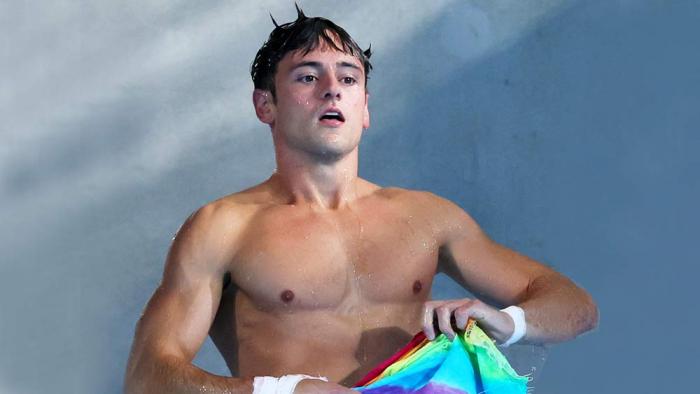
x,y
177,318
487,269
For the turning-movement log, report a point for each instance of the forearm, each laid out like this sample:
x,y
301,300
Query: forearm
x,y
557,310
169,374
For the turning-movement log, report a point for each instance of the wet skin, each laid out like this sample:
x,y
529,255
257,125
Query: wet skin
x,y
325,292
320,272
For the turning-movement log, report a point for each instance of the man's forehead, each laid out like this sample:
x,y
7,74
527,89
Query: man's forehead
x,y
322,54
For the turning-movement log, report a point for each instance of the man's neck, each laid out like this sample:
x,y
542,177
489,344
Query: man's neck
x,y
327,184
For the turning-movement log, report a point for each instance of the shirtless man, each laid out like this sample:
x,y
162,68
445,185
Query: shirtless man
x,y
316,271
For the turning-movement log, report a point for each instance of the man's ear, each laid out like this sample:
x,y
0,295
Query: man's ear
x,y
264,106
365,115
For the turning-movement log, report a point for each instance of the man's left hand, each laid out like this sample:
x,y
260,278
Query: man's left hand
x,y
454,314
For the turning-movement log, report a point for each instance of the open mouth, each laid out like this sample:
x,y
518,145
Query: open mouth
x,y
332,116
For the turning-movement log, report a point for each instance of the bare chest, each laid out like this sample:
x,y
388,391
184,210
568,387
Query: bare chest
x,y
346,260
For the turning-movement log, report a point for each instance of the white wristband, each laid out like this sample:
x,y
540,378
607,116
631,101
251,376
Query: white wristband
x,y
284,385
519,325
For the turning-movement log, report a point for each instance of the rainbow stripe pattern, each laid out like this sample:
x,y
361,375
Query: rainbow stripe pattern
x,y
471,364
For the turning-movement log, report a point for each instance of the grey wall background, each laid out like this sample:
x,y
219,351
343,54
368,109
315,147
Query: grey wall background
x,y
568,129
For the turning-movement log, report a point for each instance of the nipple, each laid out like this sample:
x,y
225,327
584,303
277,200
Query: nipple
x,y
417,286
287,295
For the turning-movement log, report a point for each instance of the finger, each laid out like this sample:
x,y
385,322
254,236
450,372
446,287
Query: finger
x,y
454,305
431,322
428,318
462,315
469,310
444,315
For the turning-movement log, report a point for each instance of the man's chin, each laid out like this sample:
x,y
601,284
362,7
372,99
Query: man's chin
x,y
329,154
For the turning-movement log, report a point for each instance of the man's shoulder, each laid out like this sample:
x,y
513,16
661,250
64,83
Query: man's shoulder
x,y
230,212
411,196
216,223
238,203
431,206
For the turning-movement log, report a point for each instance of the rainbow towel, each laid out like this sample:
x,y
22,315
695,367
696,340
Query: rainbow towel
x,y
471,364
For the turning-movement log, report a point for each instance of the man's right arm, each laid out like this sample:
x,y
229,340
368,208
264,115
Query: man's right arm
x,y
177,319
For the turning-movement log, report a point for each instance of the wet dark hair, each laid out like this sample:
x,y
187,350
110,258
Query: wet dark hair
x,y
304,34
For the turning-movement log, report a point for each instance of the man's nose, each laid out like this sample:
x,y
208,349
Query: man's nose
x,y
331,89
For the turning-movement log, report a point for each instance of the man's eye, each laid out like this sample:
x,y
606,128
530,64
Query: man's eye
x,y
349,80
308,78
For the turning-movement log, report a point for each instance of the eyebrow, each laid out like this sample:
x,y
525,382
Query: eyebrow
x,y
318,65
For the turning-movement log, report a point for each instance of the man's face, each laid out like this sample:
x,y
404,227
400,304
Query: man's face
x,y
321,103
